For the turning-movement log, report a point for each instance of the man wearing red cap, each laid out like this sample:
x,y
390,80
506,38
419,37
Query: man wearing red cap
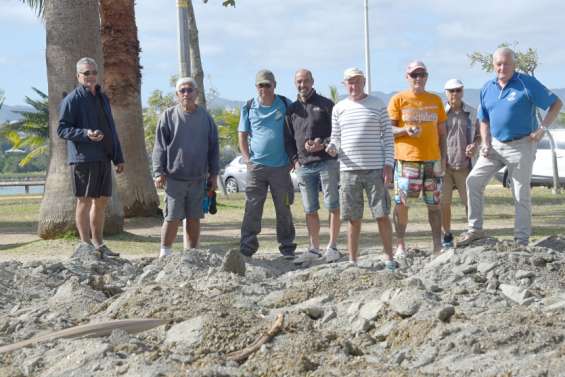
x,y
418,119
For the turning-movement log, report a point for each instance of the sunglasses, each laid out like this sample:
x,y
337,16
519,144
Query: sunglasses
x,y
186,90
89,73
415,75
263,85
457,90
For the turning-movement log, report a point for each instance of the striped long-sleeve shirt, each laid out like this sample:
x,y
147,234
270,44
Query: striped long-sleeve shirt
x,y
362,134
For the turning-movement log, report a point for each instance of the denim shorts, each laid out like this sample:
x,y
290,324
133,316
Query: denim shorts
x,y
183,199
311,176
353,183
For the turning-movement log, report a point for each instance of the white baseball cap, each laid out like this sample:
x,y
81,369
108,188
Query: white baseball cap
x,y
453,84
352,72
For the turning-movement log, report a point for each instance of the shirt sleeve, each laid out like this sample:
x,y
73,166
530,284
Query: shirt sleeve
x,y
213,148
244,124
393,108
482,113
68,128
540,95
159,158
442,115
336,129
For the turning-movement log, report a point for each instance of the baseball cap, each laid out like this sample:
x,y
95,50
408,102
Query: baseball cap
x,y
352,72
416,64
264,76
453,84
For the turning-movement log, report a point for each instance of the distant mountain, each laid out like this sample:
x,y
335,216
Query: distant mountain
x,y
8,113
222,103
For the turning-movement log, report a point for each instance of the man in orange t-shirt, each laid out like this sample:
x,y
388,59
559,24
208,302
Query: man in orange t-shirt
x,y
418,119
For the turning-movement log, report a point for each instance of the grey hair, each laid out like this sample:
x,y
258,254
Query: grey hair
x,y
504,51
86,61
186,80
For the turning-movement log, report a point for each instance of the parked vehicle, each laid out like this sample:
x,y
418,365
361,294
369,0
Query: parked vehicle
x,y
234,176
542,173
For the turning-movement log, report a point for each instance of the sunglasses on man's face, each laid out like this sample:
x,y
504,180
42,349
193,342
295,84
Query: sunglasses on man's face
x,y
89,73
186,90
457,90
415,75
264,85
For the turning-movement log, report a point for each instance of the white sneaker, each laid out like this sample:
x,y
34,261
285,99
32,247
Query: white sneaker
x,y
399,253
165,253
332,254
309,256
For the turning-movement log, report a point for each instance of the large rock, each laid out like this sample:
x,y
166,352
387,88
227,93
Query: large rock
x,y
514,293
187,334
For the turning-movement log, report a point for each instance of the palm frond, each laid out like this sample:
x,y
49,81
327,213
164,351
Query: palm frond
x,y
37,5
34,153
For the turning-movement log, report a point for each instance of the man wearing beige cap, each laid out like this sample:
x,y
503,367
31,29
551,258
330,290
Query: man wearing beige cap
x,y
362,139
463,139
261,141
418,118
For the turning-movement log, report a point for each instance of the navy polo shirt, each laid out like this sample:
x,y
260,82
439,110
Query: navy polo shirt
x,y
510,111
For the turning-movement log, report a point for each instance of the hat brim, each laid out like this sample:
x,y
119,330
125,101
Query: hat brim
x,y
263,82
416,68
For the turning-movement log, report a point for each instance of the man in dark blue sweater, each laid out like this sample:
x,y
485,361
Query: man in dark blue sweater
x,y
86,123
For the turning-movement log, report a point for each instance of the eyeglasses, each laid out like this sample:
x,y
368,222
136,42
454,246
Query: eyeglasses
x,y
415,75
456,90
186,90
264,85
89,73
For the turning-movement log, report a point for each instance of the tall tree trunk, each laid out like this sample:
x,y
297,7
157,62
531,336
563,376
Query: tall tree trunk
x,y
195,60
122,83
72,31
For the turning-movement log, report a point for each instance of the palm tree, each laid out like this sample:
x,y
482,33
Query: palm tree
x,y
72,31
122,83
32,132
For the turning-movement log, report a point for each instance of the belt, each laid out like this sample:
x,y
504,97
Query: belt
x,y
513,139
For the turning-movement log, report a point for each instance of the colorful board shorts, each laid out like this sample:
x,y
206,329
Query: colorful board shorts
x,y
413,177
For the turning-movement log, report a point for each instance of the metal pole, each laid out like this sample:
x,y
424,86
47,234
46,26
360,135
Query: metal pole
x,y
184,49
367,53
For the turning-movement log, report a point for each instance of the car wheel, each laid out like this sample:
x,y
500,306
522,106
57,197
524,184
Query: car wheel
x,y
231,185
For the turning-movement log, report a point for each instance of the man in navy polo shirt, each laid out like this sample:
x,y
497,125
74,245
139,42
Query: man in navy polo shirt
x,y
509,134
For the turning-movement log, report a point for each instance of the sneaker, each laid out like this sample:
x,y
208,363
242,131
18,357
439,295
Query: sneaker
x,y
332,254
106,252
288,254
468,237
165,253
352,263
447,240
309,256
399,253
391,265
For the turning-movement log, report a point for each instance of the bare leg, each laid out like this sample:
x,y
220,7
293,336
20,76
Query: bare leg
x,y
385,230
400,223
193,231
169,232
313,225
353,232
335,224
434,217
446,217
82,218
97,219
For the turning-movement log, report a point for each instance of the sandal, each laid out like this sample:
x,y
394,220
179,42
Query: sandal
x,y
468,237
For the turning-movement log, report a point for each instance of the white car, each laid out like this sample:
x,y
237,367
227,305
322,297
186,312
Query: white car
x,y
542,173
234,176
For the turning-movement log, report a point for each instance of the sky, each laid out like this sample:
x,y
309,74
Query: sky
x,y
325,36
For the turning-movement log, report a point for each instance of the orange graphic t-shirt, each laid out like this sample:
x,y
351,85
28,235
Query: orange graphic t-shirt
x,y
423,110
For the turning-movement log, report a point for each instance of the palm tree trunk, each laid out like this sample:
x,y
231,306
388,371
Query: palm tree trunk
x,y
72,31
122,83
195,60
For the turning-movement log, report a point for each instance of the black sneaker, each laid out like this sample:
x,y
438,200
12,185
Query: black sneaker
x,y
447,240
106,252
288,254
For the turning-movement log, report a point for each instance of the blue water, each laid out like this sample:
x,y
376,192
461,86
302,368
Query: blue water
x,y
33,190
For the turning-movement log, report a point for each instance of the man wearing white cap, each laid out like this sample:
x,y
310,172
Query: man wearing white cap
x,y
418,118
463,139
362,138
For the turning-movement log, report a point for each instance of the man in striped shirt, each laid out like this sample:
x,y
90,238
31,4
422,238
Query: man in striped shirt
x,y
362,138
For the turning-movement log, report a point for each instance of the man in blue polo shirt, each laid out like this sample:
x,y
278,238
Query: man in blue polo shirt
x,y
509,134
261,141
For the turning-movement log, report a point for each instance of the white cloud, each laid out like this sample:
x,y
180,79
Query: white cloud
x,y
13,13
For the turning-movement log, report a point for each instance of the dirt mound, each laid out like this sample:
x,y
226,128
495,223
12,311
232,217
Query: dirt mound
x,y
486,310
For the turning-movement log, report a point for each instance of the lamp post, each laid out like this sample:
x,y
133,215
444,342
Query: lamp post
x,y
367,53
184,49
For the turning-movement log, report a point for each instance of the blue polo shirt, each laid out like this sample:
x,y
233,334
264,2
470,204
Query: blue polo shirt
x,y
265,125
510,111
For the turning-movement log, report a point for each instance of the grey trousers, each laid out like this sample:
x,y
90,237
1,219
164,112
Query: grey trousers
x,y
519,156
259,179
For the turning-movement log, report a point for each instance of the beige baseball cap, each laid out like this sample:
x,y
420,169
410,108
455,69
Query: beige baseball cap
x,y
352,72
416,64
264,76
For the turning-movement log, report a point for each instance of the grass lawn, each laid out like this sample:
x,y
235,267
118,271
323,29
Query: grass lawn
x,y
18,224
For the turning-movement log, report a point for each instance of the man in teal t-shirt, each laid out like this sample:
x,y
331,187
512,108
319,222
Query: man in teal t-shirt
x,y
261,141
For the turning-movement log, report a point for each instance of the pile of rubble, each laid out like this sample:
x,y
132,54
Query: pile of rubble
x,y
486,310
